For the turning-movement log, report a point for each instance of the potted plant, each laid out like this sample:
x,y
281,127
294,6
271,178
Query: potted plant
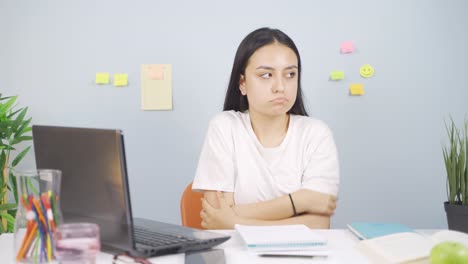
x,y
14,129
456,165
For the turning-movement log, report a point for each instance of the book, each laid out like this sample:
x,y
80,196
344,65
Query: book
x,y
407,247
368,230
283,240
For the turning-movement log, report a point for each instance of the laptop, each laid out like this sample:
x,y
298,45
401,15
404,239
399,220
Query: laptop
x,y
95,188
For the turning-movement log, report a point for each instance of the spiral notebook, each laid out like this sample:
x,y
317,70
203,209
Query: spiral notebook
x,y
282,239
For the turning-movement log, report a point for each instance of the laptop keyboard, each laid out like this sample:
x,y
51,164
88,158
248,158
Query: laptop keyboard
x,y
151,238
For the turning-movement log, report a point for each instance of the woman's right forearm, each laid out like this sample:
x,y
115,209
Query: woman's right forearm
x,y
276,209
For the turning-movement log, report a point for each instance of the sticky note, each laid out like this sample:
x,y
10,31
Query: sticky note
x,y
156,71
356,89
347,47
366,71
120,79
337,75
102,78
156,87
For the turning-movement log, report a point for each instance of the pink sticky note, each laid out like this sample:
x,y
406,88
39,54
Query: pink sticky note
x,y
156,72
347,47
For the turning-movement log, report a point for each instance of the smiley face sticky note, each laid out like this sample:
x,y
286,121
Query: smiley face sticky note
x,y
356,89
120,79
366,71
336,75
156,71
347,47
102,78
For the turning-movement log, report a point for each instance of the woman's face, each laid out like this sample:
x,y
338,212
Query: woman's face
x,y
270,80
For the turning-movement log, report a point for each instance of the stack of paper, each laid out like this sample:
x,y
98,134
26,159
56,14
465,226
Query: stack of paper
x,y
296,240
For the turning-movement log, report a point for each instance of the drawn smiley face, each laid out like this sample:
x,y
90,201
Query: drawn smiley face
x,y
366,71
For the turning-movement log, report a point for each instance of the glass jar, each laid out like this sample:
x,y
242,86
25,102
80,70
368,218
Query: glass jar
x,y
77,243
38,215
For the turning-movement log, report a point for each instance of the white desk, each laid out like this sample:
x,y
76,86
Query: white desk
x,y
341,243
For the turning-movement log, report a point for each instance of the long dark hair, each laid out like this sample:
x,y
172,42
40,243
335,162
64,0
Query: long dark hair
x,y
261,37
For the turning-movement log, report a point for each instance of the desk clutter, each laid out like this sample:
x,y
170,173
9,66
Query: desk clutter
x,y
40,234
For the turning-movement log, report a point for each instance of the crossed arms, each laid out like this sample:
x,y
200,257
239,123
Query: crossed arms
x,y
313,209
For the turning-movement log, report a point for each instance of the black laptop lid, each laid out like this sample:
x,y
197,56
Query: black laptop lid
x,y
94,187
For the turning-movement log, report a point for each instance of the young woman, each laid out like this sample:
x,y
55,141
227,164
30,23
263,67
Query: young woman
x,y
264,161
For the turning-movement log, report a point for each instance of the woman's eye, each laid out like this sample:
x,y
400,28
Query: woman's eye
x,y
291,74
266,75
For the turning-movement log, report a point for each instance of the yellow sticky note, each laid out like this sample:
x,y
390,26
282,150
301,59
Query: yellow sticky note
x,y
356,89
120,79
366,71
102,78
156,87
337,75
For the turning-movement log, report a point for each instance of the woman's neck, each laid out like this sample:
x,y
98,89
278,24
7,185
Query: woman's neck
x,y
270,130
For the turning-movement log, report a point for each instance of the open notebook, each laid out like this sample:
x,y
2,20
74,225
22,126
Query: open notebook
x,y
283,240
407,247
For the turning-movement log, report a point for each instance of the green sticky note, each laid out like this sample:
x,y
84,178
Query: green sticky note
x,y
102,78
337,75
120,79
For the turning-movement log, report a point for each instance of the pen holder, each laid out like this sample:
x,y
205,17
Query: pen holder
x,y
37,216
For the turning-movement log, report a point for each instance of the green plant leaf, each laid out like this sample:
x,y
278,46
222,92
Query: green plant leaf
x,y
11,115
7,206
4,98
10,221
20,156
23,128
19,119
5,125
13,186
7,106
20,139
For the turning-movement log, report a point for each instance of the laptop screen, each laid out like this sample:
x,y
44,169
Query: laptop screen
x,y
94,183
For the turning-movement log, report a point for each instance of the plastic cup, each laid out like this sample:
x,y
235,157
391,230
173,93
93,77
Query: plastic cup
x,y
77,243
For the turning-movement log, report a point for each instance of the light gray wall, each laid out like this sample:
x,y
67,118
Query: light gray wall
x,y
389,140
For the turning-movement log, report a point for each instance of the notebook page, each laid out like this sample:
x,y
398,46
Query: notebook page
x,y
400,247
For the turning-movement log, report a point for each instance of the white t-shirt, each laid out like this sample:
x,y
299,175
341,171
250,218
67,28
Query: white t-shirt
x,y
233,160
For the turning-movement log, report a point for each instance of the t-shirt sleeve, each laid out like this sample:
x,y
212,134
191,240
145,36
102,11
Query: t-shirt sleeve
x,y
215,170
322,172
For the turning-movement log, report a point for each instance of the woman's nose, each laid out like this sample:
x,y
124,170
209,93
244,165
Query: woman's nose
x,y
278,86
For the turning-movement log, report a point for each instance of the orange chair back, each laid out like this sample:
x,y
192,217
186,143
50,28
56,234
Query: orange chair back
x,y
190,208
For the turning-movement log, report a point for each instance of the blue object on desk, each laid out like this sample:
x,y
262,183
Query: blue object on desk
x,y
367,230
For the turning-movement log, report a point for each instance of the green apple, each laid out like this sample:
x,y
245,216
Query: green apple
x,y
449,252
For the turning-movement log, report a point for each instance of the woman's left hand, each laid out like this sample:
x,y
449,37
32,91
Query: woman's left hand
x,y
223,217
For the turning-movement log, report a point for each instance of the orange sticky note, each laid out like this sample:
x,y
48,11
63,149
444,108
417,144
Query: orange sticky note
x,y
156,72
347,47
356,89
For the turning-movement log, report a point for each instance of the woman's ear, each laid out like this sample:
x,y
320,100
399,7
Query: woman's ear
x,y
242,85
